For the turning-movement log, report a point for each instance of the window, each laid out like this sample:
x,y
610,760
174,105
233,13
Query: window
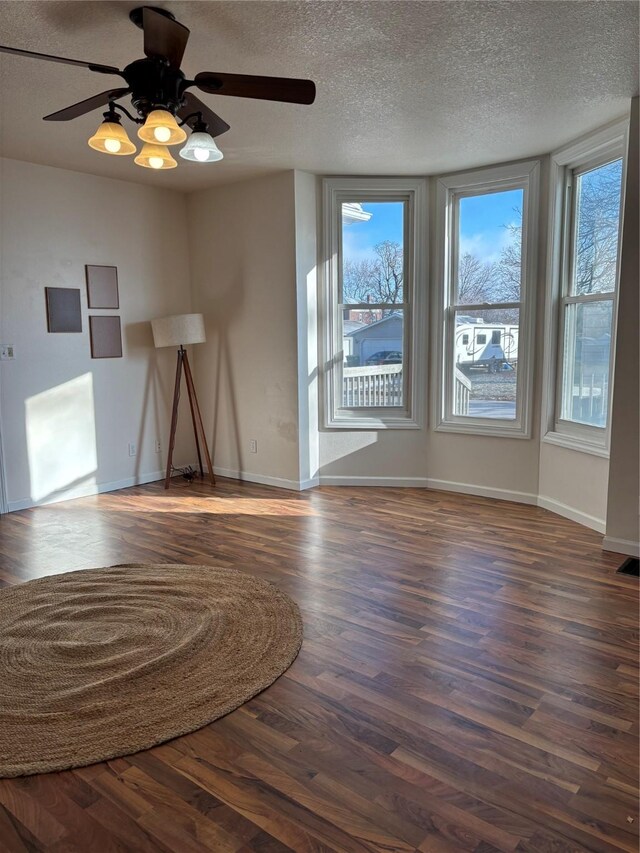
x,y
375,237
486,273
587,181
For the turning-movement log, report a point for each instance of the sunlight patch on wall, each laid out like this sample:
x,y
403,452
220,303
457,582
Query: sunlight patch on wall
x,y
61,437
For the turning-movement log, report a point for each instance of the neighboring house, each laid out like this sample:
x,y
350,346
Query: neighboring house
x,y
383,335
349,327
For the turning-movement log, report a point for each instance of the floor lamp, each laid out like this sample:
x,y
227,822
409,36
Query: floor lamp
x,y
180,331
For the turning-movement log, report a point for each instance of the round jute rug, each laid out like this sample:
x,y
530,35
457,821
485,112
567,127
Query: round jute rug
x,y
100,663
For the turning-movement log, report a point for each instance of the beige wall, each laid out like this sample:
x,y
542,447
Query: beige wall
x,y
623,525
574,484
68,418
243,265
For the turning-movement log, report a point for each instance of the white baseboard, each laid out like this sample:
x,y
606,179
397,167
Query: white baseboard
x,y
569,512
88,489
483,491
394,482
621,546
262,479
309,484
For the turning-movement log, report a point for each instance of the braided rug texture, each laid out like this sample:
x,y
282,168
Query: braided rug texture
x,y
101,663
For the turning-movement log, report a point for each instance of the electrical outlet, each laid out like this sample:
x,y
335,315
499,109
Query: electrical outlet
x,y
7,352
158,446
253,446
132,449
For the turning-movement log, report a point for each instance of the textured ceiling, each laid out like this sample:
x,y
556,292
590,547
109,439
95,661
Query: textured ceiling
x,y
403,87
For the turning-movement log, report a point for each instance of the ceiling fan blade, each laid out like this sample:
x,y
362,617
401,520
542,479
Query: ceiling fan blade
x,y
163,36
288,89
87,105
92,66
215,125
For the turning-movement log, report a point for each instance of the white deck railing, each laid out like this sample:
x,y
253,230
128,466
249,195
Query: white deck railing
x,y
461,393
590,396
381,385
372,385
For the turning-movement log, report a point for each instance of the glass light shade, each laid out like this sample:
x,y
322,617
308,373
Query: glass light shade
x,y
111,138
155,157
161,128
201,148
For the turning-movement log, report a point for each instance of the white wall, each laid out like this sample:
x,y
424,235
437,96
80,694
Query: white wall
x,y
306,250
243,264
67,418
623,524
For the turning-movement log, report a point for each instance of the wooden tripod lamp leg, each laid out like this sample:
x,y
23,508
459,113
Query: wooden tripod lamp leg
x,y
174,417
197,424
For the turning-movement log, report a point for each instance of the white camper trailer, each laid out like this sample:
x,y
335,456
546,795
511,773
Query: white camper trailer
x,y
493,346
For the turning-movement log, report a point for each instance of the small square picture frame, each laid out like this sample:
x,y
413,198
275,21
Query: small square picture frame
x,y
102,286
64,312
106,336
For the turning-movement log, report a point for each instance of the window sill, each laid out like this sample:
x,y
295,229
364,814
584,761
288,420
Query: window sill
x,y
368,422
493,429
580,445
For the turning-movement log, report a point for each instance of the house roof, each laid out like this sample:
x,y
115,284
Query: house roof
x,y
366,326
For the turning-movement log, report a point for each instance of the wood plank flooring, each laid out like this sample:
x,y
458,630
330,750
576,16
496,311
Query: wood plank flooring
x,y
468,680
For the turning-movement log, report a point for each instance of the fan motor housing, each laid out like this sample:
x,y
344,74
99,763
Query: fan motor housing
x,y
154,83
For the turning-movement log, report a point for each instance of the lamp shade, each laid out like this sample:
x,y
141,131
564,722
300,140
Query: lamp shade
x,y
178,330
201,148
161,127
111,138
155,157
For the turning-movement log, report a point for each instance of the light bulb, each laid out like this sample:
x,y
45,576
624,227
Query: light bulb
x,y
201,154
112,145
162,134
156,162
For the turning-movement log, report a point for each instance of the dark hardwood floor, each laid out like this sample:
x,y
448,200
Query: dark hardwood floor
x,y
468,680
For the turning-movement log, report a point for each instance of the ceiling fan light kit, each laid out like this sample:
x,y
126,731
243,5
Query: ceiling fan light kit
x,y
159,94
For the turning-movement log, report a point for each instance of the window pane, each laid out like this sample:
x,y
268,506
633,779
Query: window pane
x,y
489,247
485,372
373,361
372,252
587,348
597,214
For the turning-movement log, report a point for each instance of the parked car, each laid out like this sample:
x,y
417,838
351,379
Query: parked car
x,y
385,356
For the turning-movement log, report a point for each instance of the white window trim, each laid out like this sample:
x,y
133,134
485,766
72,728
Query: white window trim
x,y
335,191
526,175
609,141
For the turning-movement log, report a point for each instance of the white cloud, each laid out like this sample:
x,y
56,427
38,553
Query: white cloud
x,y
487,245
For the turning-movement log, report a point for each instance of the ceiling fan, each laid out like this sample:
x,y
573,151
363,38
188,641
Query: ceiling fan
x,y
159,94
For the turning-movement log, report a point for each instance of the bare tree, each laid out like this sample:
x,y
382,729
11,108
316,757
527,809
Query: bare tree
x,y
375,280
598,223
474,280
509,266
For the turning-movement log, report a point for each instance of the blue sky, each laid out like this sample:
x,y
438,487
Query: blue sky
x,y
482,221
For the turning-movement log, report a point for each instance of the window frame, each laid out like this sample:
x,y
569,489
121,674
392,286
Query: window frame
x,y
591,151
525,176
412,191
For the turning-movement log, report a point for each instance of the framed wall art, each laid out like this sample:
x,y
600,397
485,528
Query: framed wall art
x,y
106,337
102,286
63,309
